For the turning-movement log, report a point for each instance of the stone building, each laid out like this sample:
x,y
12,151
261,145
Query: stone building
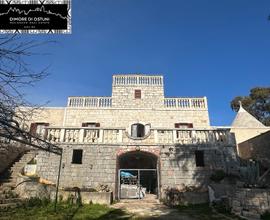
x,y
135,138
245,126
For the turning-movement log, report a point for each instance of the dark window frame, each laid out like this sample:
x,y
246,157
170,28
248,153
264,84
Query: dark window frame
x,y
188,125
86,124
199,158
77,155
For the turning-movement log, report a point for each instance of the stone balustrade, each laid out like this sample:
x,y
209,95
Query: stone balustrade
x,y
186,103
118,136
192,136
106,102
119,80
96,102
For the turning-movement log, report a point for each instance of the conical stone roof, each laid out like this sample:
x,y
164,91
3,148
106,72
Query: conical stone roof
x,y
245,120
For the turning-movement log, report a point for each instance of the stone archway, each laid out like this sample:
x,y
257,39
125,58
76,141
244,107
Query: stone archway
x,y
143,167
137,160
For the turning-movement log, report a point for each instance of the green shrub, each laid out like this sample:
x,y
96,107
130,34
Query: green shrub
x,y
218,176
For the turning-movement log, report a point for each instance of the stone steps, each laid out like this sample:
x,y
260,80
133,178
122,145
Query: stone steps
x,y
8,197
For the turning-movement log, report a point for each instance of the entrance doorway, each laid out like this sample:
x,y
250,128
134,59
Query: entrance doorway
x,y
137,175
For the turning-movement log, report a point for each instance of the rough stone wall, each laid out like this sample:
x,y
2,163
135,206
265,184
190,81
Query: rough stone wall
x,y
123,96
178,167
251,203
99,165
255,148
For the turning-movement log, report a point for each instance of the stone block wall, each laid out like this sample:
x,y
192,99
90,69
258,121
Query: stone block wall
x,y
176,165
251,203
124,96
123,118
98,167
52,115
256,148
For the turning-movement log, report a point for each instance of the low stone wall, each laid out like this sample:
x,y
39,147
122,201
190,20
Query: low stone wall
x,y
104,198
175,197
250,203
27,189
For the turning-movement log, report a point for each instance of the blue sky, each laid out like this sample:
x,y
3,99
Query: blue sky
x,y
214,48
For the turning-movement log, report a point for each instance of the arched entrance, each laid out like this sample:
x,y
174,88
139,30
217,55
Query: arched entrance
x,y
137,175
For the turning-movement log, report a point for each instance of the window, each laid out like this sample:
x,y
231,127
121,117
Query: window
x,y
183,125
90,124
138,94
137,130
38,128
199,158
77,156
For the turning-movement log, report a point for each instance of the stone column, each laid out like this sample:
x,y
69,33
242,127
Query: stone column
x,y
156,136
62,135
100,139
120,136
81,135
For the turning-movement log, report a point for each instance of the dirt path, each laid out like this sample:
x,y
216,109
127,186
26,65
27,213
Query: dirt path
x,y
150,208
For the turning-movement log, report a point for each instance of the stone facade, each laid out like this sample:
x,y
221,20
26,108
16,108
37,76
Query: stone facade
x,y
174,131
245,126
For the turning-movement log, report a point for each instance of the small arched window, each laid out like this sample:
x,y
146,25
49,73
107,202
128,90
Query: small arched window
x,y
137,130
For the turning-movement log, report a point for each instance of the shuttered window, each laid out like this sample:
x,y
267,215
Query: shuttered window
x,y
138,94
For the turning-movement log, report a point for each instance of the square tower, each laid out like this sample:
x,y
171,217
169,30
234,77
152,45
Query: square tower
x,y
137,91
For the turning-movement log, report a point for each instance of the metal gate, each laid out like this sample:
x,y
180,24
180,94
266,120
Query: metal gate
x,y
136,183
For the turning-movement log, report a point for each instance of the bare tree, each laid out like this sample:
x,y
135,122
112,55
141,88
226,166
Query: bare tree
x,y
16,74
